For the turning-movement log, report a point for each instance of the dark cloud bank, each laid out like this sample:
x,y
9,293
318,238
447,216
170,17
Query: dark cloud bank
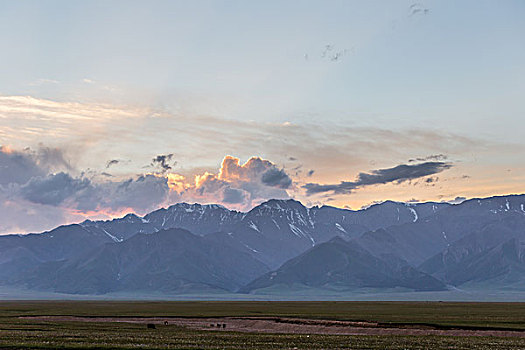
x,y
36,182
397,174
40,187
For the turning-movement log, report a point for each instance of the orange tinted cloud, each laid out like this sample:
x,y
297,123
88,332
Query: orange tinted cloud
x,y
6,149
100,213
231,168
177,182
238,186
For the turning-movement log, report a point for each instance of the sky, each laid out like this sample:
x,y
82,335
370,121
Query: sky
x,y
111,107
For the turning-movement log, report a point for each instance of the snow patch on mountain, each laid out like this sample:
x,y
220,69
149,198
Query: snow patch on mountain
x,y
250,248
340,228
296,230
414,212
253,226
115,239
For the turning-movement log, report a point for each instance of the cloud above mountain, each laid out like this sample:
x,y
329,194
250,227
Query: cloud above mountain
x,y
242,185
28,184
397,174
55,189
106,159
28,181
163,161
17,167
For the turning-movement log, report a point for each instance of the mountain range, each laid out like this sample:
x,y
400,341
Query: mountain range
x,y
279,245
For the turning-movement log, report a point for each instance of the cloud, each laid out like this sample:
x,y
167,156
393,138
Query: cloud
x,y
91,133
208,183
231,169
276,178
430,180
418,8
458,200
50,158
28,181
141,194
112,162
144,193
162,161
20,216
234,195
402,173
131,132
433,157
244,185
17,167
56,188
397,174
43,81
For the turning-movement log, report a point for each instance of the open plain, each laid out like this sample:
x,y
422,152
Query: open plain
x,y
261,325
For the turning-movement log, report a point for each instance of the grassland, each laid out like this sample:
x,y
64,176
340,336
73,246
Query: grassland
x,y
21,333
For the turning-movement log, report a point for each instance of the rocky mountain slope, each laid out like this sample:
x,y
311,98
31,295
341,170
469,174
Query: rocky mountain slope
x,y
193,248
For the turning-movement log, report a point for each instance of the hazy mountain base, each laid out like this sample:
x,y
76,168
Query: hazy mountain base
x,y
290,293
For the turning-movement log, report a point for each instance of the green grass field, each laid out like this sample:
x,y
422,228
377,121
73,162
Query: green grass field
x,y
17,333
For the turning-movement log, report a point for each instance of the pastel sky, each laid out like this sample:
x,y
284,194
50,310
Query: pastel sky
x,y
110,107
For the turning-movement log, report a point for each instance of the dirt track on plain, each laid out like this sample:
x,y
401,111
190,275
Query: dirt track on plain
x,y
286,325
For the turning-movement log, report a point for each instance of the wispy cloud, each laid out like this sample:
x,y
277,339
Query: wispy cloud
x,y
43,81
135,132
434,157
